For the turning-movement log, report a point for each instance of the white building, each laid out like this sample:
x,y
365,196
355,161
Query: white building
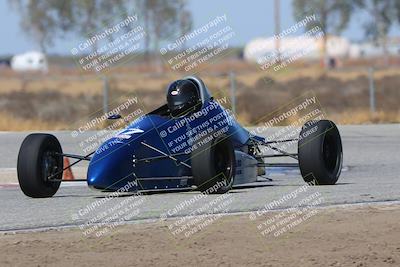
x,y
30,61
302,47
368,50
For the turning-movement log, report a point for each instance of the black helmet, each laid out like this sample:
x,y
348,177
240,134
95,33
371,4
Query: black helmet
x,y
182,97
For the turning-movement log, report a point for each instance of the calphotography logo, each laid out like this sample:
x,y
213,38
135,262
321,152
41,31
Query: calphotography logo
x,y
208,43
202,211
110,46
200,133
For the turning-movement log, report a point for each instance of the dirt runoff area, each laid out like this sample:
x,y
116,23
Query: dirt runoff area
x,y
351,236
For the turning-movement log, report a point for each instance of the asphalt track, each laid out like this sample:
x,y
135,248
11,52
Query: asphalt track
x,y
371,174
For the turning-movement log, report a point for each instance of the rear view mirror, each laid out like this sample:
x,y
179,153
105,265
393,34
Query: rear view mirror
x,y
114,117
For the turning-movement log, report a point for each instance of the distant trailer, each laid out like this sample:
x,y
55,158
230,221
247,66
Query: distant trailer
x,y
5,62
30,61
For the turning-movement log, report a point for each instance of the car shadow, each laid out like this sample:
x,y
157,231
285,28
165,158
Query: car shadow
x,y
235,190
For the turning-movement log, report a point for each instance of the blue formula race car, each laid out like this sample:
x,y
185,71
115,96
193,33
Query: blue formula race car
x,y
191,142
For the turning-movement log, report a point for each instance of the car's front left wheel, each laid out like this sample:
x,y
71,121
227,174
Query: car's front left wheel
x,y
320,152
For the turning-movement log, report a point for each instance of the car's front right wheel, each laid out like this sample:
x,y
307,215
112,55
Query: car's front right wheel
x,y
213,165
38,159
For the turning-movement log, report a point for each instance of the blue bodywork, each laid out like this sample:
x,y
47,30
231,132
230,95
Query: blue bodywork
x,y
116,161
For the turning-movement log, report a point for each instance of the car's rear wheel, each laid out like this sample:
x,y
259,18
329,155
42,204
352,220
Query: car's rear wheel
x,y
39,158
320,152
213,165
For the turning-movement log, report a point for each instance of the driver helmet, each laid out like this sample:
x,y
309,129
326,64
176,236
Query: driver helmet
x,y
182,97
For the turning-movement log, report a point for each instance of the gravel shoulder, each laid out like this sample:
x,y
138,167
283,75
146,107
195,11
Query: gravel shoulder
x,y
366,235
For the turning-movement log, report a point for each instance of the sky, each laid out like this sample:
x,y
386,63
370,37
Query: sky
x,y
249,19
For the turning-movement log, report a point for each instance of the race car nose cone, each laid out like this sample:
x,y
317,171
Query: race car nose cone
x,y
110,169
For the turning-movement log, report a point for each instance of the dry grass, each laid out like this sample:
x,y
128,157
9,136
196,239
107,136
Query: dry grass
x,y
10,123
57,101
365,117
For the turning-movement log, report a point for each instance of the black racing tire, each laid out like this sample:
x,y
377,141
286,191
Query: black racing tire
x,y
36,162
213,165
320,152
